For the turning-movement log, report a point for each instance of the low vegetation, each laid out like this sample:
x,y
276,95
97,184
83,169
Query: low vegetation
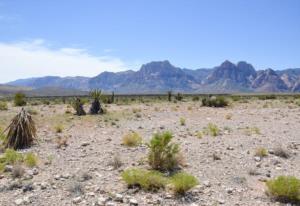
x,y
163,154
211,130
261,152
96,105
215,101
20,100
132,139
30,159
182,121
3,106
77,105
151,180
284,188
59,128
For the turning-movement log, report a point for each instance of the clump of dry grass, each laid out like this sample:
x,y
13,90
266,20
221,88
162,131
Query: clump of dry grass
x,y
21,131
132,139
61,142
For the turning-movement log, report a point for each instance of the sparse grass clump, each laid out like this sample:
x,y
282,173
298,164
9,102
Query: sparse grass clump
x,y
147,180
32,111
182,121
215,101
17,171
61,142
59,128
132,139
163,154
285,188
30,159
252,130
212,130
11,157
19,99
261,152
182,182
3,106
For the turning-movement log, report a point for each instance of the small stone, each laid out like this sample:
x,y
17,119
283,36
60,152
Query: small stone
x,y
44,185
133,202
229,190
19,201
257,159
206,183
221,201
8,168
77,200
101,201
119,198
84,144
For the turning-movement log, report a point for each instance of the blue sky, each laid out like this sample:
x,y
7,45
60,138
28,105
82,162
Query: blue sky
x,y
86,37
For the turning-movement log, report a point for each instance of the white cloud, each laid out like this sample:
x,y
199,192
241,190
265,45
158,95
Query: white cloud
x,y
36,58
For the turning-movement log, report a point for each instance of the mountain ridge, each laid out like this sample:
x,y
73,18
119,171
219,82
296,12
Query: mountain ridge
x,y
162,76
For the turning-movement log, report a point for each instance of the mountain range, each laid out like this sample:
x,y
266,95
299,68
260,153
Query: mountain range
x,y
162,76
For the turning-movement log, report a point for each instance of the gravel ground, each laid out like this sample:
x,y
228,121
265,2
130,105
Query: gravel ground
x,y
80,173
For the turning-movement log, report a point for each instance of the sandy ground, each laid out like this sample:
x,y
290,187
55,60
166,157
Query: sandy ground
x,y
94,140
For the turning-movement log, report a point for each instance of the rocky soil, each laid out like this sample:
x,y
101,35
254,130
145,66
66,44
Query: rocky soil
x,y
228,171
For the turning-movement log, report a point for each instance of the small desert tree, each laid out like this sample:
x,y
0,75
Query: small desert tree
x,y
78,107
96,105
19,99
169,96
21,131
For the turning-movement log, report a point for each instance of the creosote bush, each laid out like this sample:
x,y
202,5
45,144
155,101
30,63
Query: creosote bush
x,y
285,188
19,99
21,131
3,106
215,101
132,139
163,154
182,121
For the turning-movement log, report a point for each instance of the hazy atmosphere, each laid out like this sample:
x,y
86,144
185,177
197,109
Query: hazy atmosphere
x,y
85,38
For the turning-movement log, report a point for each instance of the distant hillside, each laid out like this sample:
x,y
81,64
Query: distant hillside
x,y
162,76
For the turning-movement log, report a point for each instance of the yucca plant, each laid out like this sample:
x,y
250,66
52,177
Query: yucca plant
x,y
78,107
21,131
96,105
169,96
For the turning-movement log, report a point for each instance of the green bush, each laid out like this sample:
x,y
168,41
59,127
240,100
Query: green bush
x,y
261,152
285,188
163,154
211,130
19,99
147,180
182,121
3,106
132,139
11,156
30,159
2,136
182,182
215,101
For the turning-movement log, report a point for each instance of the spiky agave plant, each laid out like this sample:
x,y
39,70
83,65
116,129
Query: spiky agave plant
x,y
21,131
96,105
78,107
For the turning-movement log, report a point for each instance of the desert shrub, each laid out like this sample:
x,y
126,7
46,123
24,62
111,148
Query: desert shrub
x,y
266,97
182,121
96,105
19,99
182,182
136,110
285,188
215,101
169,96
261,152
22,131
30,159
236,98
76,189
61,142
163,154
228,116
195,98
32,111
212,130
77,105
281,152
132,139
11,157
297,102
3,106
179,97
2,135
147,180
199,134
59,128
